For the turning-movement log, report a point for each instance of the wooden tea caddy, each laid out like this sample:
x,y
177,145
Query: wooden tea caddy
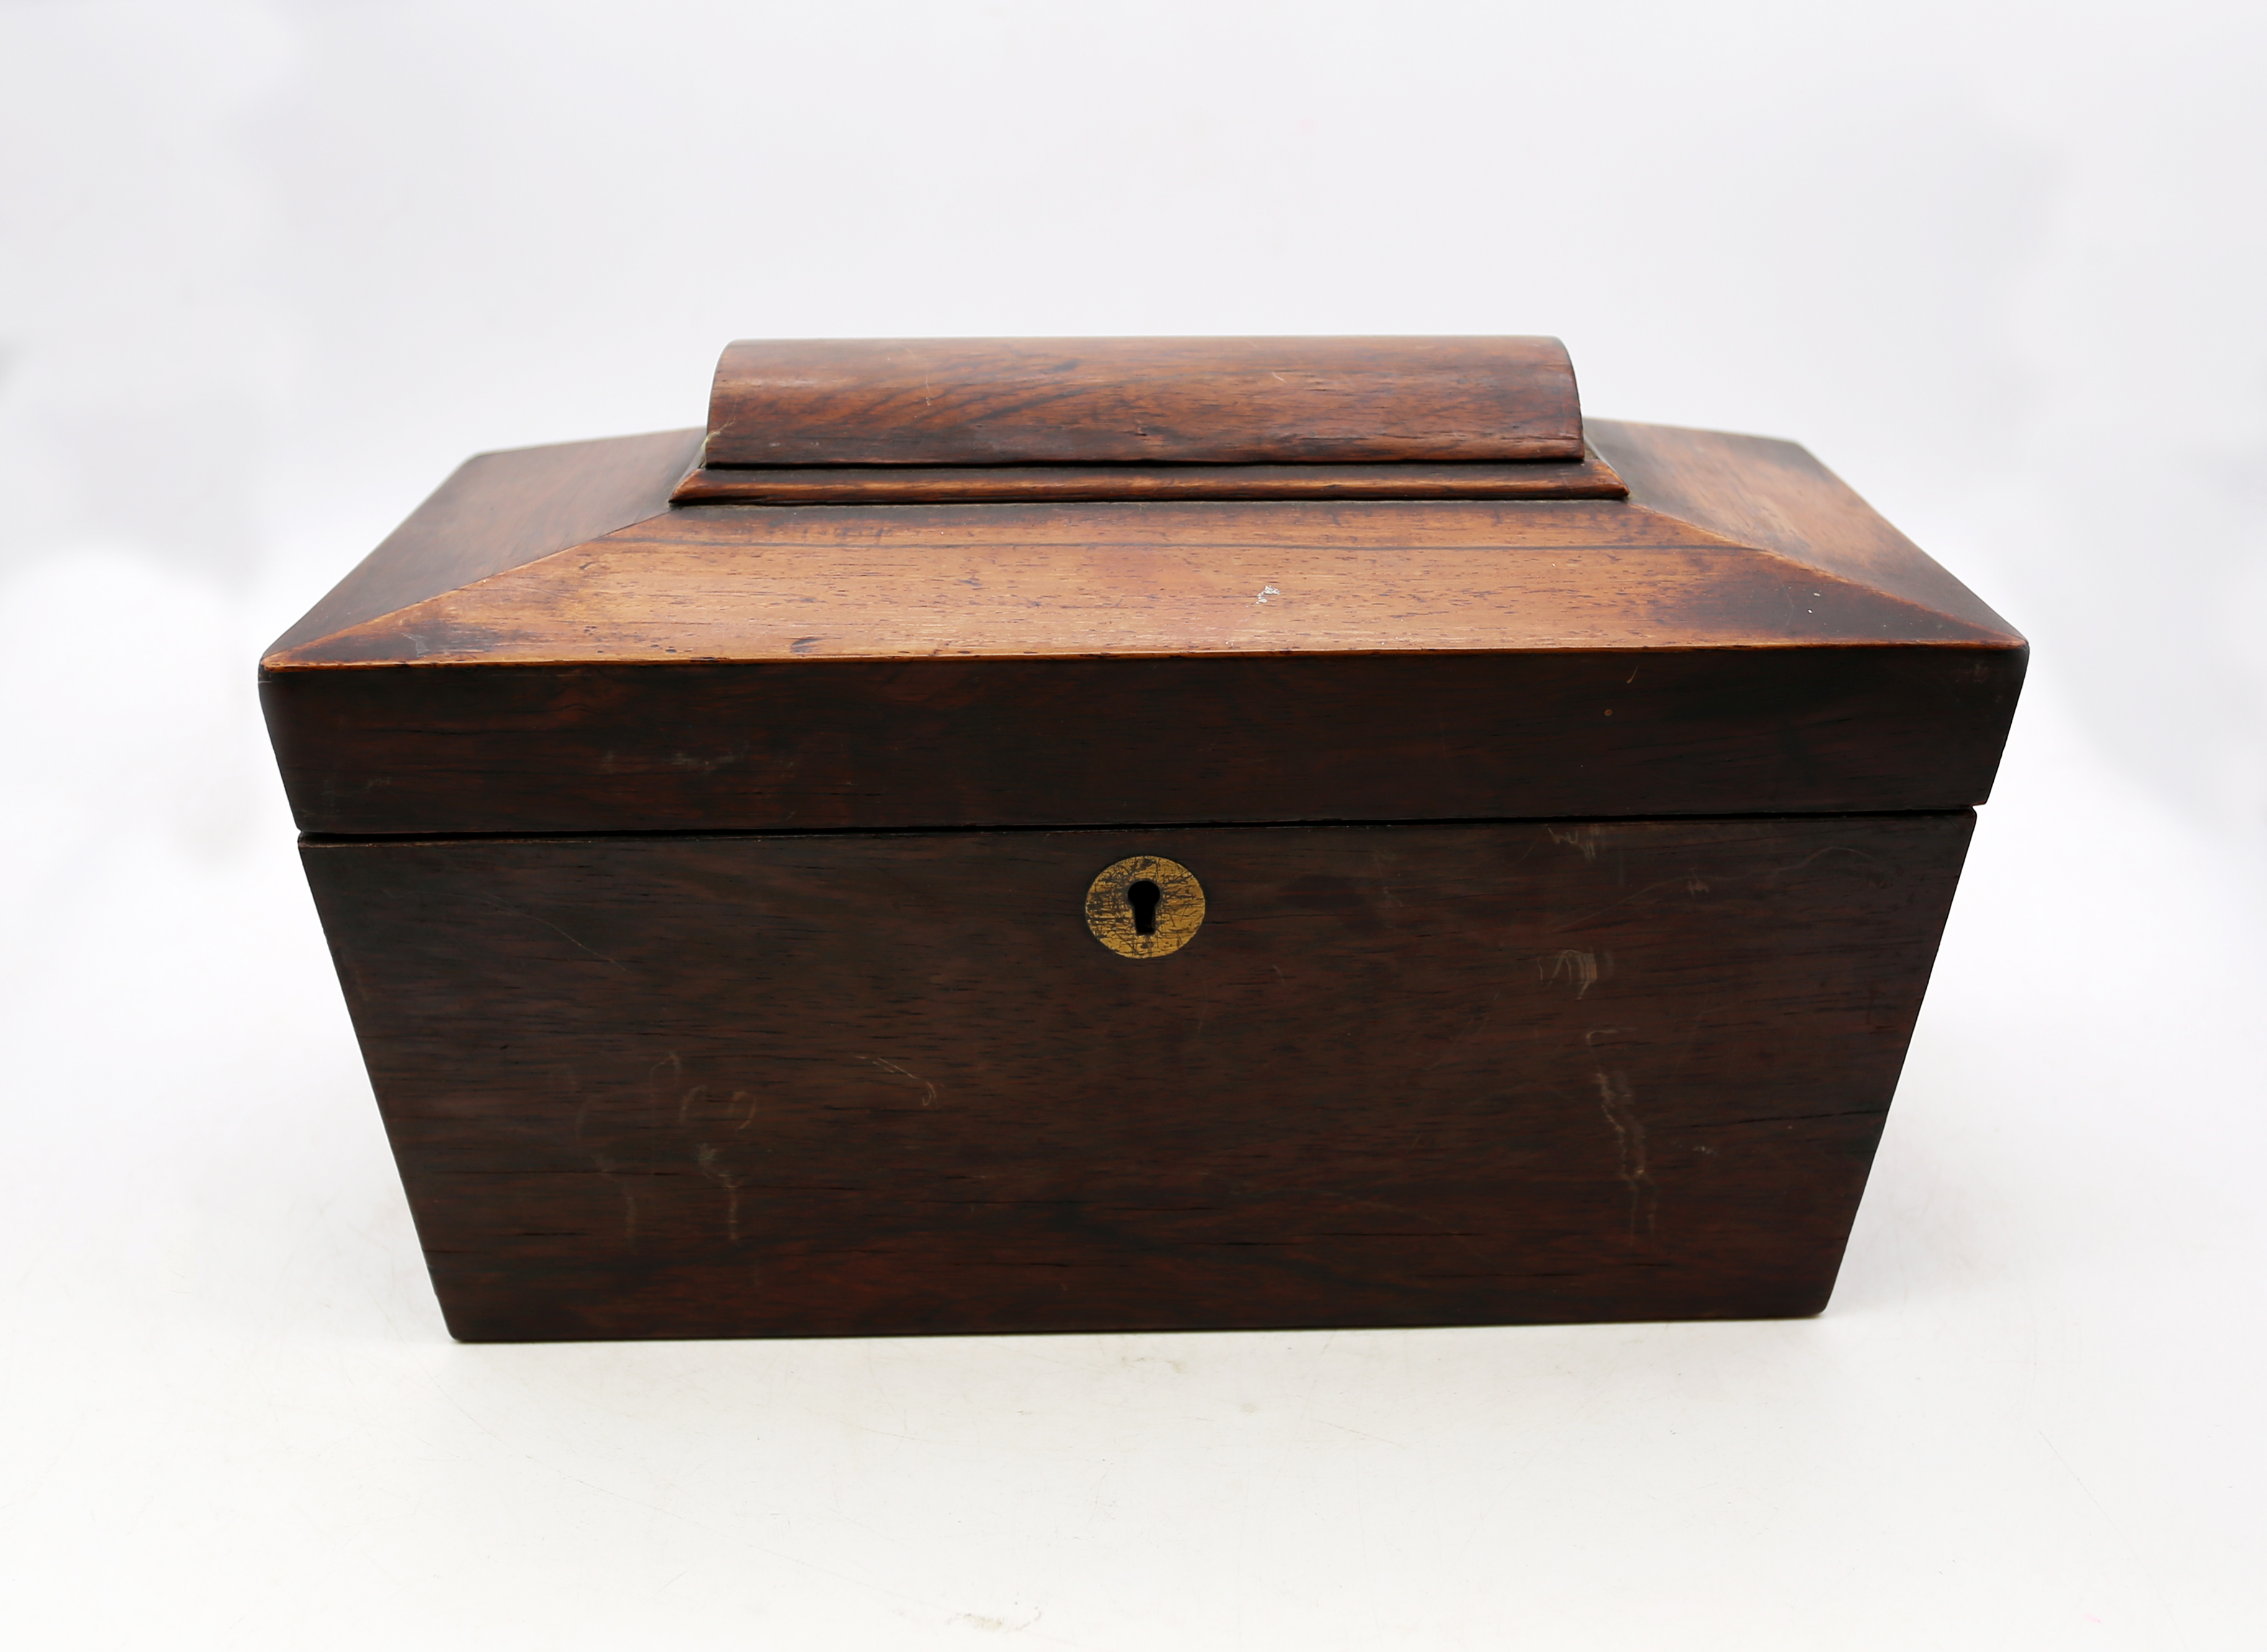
x,y
1082,834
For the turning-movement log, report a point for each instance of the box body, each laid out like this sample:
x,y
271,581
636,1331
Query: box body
x,y
1423,1075
709,882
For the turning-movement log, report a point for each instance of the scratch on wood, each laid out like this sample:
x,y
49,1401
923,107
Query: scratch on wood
x,y
929,1098
1629,1137
1583,837
1883,872
713,1167
1584,969
517,912
610,1169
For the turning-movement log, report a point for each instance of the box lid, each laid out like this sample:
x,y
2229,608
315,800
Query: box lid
x,y
960,583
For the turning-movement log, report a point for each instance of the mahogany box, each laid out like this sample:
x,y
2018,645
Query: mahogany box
x,y
1103,835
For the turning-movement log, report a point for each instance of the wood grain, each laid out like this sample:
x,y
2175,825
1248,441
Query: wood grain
x,y
1036,743
1125,580
1774,495
1217,401
724,583
1590,478
757,667
500,511
880,1084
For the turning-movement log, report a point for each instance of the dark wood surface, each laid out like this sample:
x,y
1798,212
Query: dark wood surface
x,y
801,1085
1219,400
757,667
1589,478
1033,743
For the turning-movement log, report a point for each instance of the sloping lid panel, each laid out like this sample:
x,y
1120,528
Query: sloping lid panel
x,y
498,512
1740,635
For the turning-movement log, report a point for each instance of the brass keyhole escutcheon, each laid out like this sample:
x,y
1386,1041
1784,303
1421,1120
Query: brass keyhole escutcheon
x,y
1145,905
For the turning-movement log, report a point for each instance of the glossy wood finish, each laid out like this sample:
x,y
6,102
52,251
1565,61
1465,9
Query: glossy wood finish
x,y
1037,743
1703,646
805,1019
1143,401
892,1083
502,511
1779,553
1589,478
755,584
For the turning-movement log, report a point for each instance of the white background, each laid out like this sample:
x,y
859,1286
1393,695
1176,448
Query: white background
x,y
272,269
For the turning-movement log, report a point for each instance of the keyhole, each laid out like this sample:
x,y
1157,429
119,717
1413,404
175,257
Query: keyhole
x,y
1145,907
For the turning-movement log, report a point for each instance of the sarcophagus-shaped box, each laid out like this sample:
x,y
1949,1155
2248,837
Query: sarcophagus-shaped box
x,y
1122,833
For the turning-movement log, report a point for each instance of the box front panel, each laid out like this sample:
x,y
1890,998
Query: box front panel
x,y
883,1084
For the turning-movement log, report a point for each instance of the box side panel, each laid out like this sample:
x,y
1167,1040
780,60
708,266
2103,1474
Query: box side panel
x,y
951,743
814,1086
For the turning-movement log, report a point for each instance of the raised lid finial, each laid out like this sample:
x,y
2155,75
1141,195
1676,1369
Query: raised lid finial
x,y
812,403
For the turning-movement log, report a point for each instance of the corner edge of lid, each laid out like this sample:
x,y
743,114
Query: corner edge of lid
x,y
1785,503
496,512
